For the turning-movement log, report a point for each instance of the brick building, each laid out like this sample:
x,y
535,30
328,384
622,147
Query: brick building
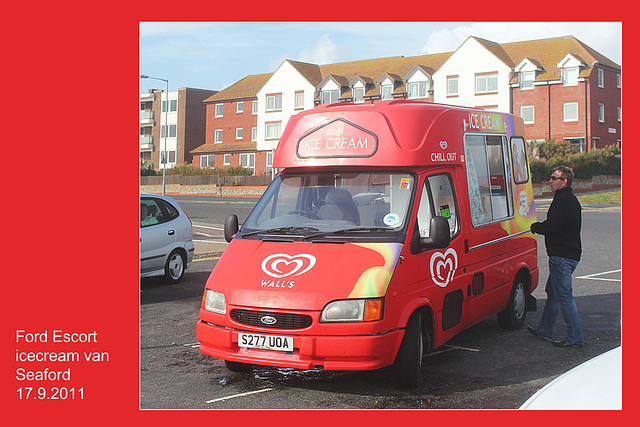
x,y
562,88
186,125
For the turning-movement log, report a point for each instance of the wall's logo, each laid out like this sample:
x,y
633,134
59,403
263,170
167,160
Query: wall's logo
x,y
283,265
443,267
444,145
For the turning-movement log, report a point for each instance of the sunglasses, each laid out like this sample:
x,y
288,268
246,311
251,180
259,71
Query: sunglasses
x,y
555,178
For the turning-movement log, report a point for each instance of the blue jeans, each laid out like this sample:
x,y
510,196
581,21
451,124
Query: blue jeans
x,y
560,299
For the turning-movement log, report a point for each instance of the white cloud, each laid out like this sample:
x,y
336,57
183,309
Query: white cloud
x,y
325,51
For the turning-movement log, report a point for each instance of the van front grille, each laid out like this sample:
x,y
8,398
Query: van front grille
x,y
282,320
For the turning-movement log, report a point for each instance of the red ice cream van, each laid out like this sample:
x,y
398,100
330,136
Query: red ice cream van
x,y
391,228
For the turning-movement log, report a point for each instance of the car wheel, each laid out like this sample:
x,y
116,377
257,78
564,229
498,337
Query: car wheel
x,y
408,363
174,268
237,366
514,316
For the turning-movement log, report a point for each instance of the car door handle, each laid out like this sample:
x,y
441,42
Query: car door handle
x,y
171,232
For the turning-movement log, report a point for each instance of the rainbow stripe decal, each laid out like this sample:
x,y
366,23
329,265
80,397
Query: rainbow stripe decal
x,y
374,281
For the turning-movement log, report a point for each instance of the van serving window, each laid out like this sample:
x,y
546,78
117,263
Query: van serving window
x,y
488,178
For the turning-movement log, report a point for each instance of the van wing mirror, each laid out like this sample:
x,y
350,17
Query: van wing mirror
x,y
230,227
439,235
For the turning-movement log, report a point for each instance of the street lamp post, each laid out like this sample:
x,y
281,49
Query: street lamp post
x,y
166,130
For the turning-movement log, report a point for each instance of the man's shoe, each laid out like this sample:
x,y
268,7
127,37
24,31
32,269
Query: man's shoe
x,y
535,333
565,343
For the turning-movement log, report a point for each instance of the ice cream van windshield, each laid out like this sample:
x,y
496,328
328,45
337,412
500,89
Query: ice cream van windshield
x,y
332,203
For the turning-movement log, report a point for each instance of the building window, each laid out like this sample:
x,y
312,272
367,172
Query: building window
x,y
247,160
527,114
330,96
254,134
226,159
358,95
526,79
238,133
254,107
619,114
452,86
239,107
570,112
417,90
172,131
601,113
299,100
218,110
600,77
207,161
594,143
619,81
171,157
487,83
269,164
173,105
217,136
386,92
274,102
273,130
570,76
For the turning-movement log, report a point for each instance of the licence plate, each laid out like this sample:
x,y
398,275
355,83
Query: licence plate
x,y
269,342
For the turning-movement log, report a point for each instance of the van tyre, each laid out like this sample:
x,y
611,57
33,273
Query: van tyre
x,y
514,316
174,268
407,366
238,366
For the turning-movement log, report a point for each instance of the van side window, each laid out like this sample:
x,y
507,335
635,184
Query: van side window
x,y
519,160
438,198
488,178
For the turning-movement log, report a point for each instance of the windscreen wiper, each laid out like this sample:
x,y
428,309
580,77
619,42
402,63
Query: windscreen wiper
x,y
287,230
347,230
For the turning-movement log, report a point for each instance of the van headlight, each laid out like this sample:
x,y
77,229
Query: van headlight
x,y
214,301
352,310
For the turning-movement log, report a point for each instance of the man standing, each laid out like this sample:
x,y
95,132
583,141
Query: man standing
x,y
562,240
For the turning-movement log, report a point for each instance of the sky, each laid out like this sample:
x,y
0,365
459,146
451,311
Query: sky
x,y
216,55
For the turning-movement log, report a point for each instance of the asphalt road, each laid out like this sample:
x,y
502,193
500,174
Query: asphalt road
x,y
483,367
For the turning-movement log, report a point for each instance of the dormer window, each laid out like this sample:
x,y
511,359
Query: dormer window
x,y
358,95
386,92
330,96
417,90
570,69
526,79
570,76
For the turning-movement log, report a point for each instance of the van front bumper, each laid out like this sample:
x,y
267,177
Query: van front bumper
x,y
359,352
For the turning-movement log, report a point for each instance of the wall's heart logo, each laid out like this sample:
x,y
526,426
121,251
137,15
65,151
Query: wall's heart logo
x,y
443,267
283,265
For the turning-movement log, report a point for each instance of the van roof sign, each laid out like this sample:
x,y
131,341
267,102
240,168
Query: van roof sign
x,y
338,138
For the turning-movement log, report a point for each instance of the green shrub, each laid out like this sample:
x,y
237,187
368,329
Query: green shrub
x,y
606,161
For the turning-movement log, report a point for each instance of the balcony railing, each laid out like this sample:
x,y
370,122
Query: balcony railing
x,y
146,142
146,117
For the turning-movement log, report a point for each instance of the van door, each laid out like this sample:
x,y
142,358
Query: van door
x,y
442,271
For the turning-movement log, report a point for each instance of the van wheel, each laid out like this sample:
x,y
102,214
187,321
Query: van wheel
x,y
513,317
408,363
174,268
237,366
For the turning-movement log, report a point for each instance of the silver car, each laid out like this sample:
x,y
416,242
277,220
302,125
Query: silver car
x,y
166,238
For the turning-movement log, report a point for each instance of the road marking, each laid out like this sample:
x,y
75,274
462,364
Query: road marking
x,y
206,226
593,276
209,241
206,259
238,395
192,345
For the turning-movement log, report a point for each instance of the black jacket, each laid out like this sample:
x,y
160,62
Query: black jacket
x,y
562,227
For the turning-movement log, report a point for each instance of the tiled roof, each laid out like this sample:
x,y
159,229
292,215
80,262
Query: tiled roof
x,y
549,52
546,53
227,147
246,88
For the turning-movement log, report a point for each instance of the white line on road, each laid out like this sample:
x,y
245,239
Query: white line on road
x,y
593,276
238,395
450,348
206,226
